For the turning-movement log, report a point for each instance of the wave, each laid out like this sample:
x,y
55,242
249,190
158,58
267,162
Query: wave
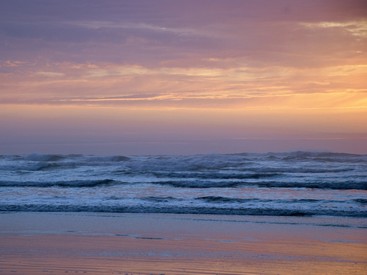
x,y
219,199
39,163
106,159
296,183
194,184
359,185
215,175
345,185
311,155
297,155
202,166
47,166
48,157
60,157
160,199
301,170
69,184
148,199
180,210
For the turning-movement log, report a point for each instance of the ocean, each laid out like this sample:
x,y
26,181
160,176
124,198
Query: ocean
x,y
271,184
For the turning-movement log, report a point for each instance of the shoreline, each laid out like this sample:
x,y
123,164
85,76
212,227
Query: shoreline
x,y
103,243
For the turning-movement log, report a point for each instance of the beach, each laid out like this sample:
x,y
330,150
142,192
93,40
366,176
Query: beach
x,y
110,243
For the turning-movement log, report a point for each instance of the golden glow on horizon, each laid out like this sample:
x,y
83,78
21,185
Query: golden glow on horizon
x,y
166,130
341,86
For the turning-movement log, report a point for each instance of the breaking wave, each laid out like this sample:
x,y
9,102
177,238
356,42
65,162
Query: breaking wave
x,y
290,184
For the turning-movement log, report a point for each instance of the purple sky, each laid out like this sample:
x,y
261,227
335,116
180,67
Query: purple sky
x,y
177,77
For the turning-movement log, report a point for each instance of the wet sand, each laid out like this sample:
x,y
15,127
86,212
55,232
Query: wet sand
x,y
88,243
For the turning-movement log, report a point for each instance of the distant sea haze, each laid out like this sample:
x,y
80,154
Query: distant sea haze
x,y
274,184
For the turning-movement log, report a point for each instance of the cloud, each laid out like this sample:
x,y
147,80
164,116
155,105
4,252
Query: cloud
x,y
12,63
203,53
50,74
116,25
229,86
185,33
355,28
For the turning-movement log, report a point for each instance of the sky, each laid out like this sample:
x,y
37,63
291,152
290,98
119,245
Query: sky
x,y
182,77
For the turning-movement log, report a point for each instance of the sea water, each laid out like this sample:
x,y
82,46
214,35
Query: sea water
x,y
271,184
